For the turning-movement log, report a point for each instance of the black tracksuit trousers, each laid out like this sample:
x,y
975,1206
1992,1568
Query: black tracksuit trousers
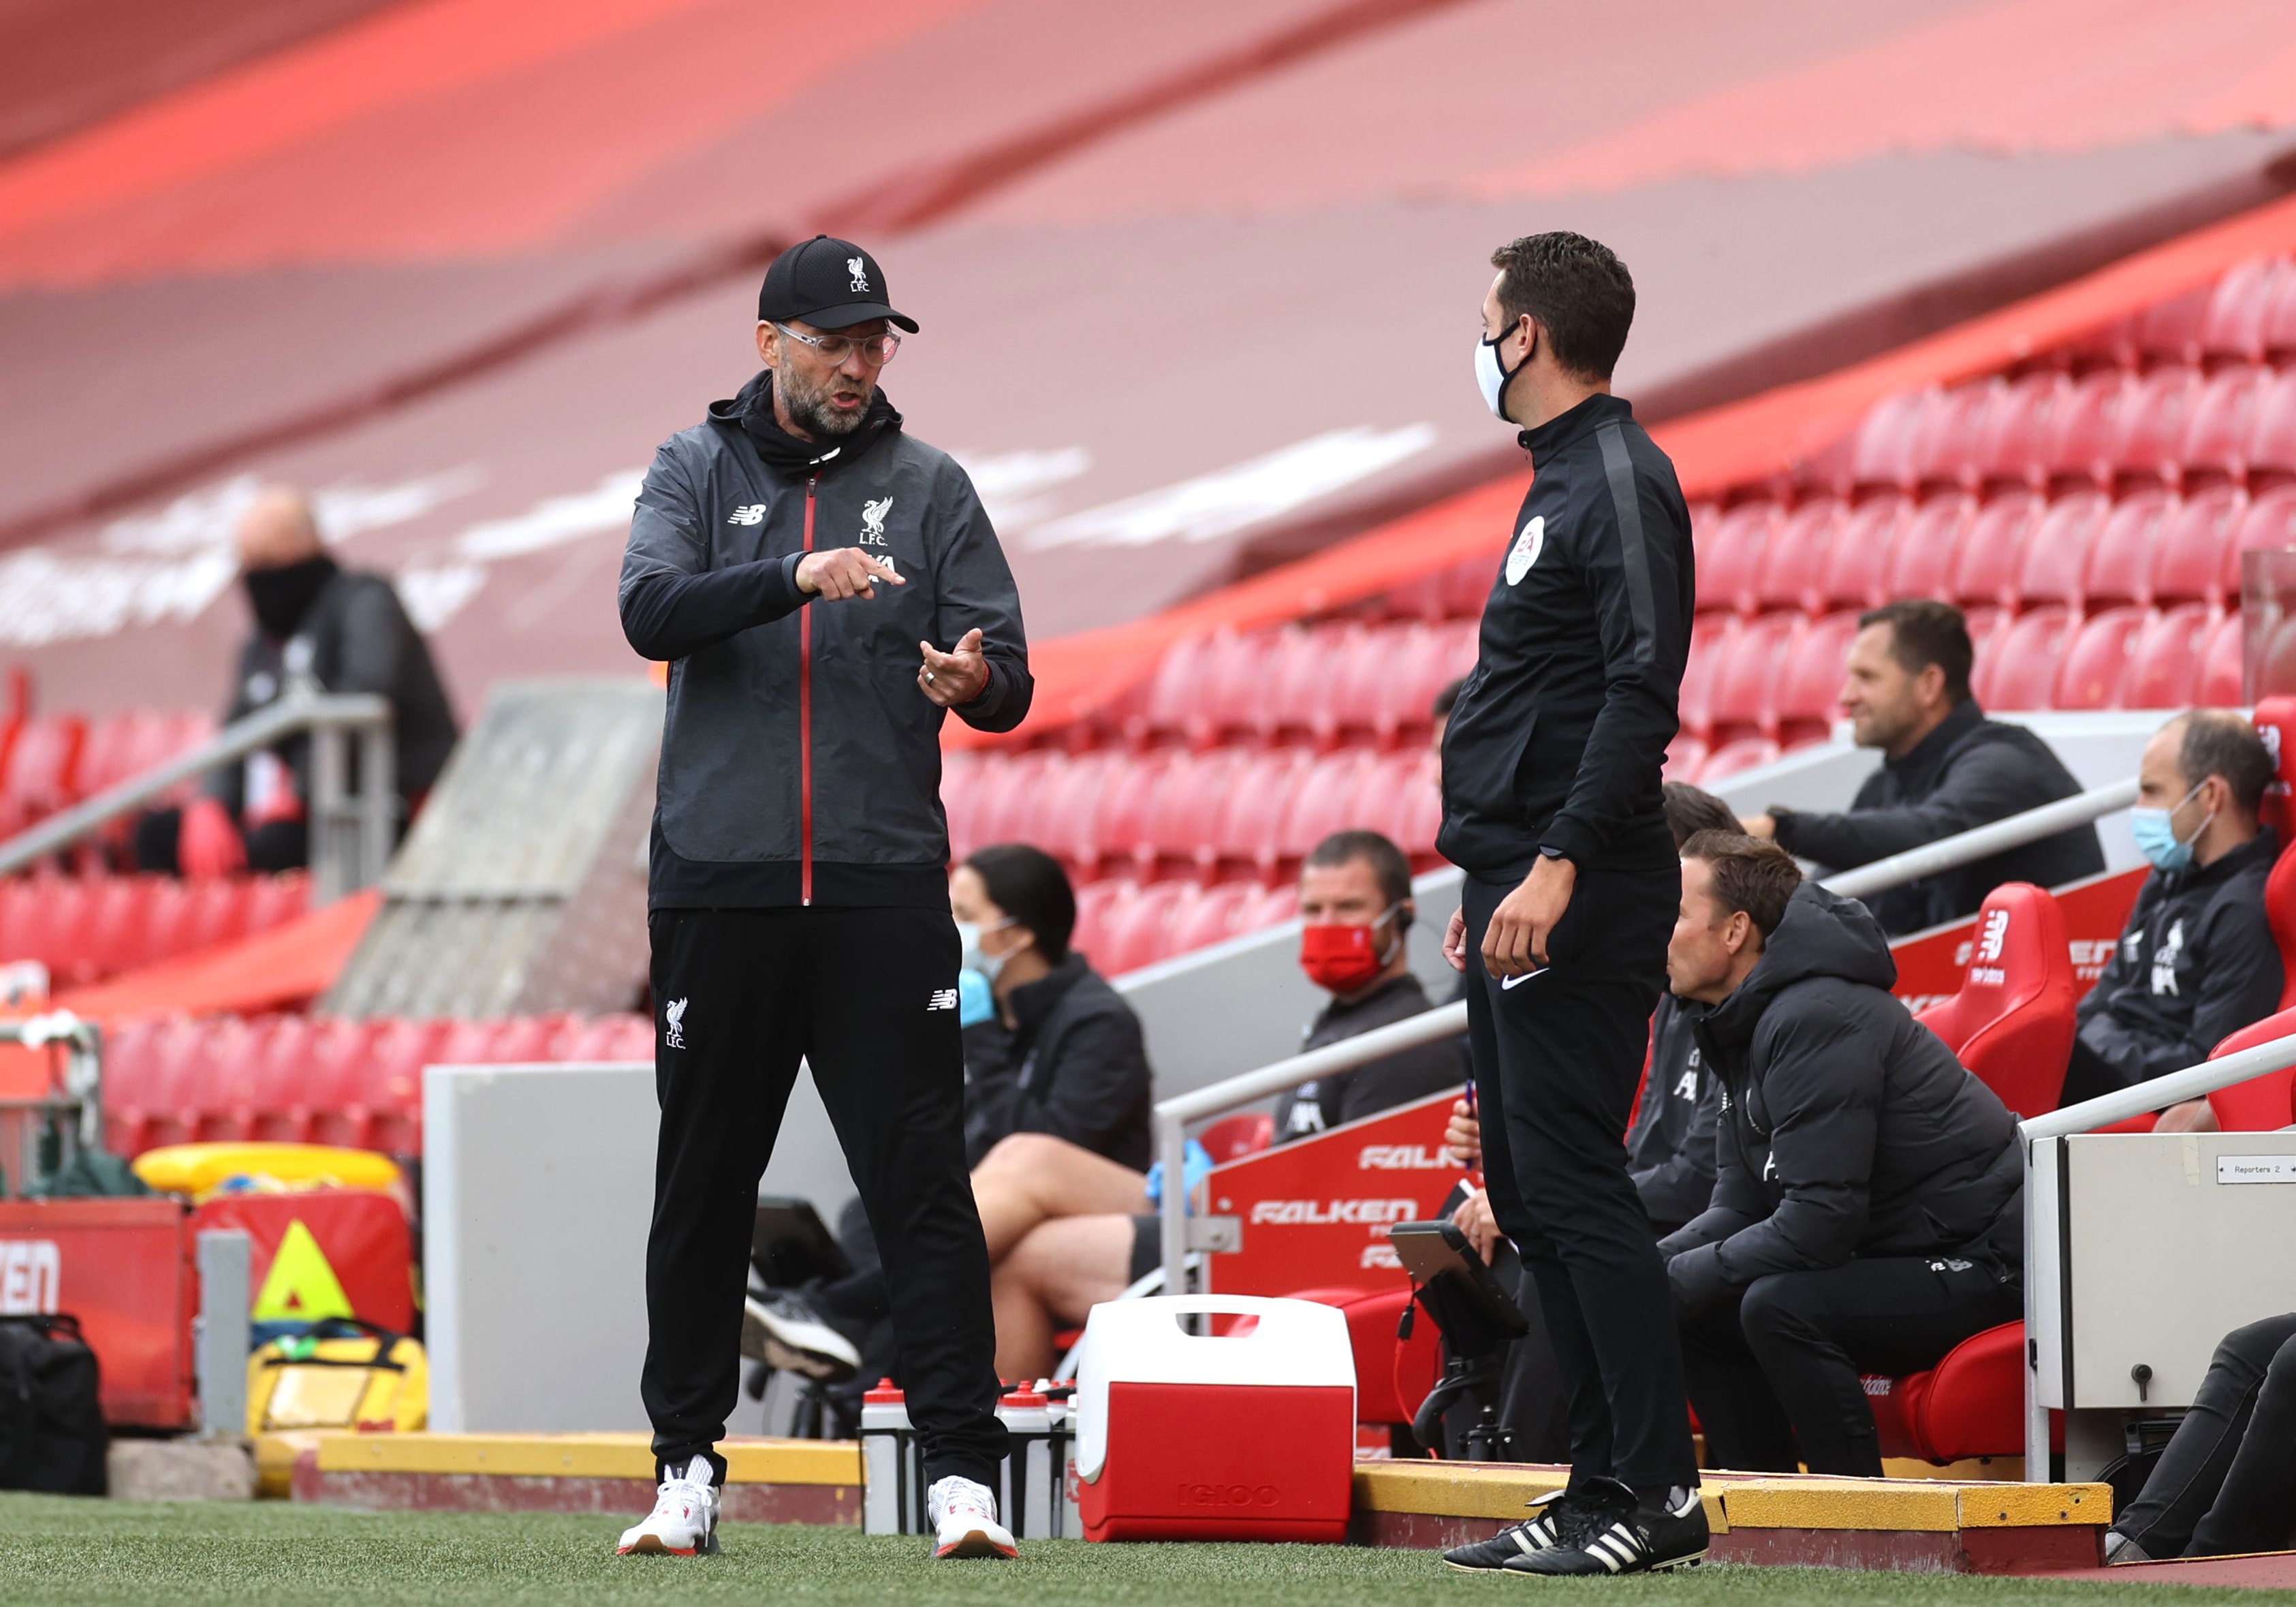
x,y
1773,1370
2226,1482
1557,1058
867,998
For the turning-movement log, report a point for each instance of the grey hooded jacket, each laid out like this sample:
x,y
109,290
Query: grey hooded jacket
x,y
800,762
1848,1129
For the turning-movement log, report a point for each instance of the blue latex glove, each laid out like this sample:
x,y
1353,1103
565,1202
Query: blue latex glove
x,y
974,1003
1196,1163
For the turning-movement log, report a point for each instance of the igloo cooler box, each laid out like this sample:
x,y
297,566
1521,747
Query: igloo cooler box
x,y
1244,1434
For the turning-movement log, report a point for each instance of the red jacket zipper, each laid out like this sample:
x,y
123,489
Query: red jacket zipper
x,y
805,723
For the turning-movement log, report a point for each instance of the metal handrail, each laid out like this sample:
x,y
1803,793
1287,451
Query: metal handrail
x,y
1173,1115
1982,842
350,837
2156,1093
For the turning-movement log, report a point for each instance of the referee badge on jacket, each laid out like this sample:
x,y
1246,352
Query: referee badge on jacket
x,y
1526,549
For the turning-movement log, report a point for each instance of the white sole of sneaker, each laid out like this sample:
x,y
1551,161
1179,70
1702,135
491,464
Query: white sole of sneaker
x,y
791,1347
976,1543
652,1546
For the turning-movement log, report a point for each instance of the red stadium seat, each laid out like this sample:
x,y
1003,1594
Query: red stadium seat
x,y
1794,564
1295,701
612,1038
2164,672
2262,1104
2153,427
391,1085
1746,680
52,925
2189,559
1326,797
2096,665
2222,682
1136,929
1856,569
1067,813
1247,829
282,1060
1233,1137
2216,438
1096,902
1730,565
2269,524
1945,450
1887,439
2013,437
1971,1403
962,772
2271,450
2056,554
1930,547
1685,757
1746,753
335,1086
1809,683
1467,587
1214,915
2021,672
1992,557
1180,690
2088,429
1120,831
1712,638
2012,1023
39,767
2121,559
2280,316
2170,331
131,1075
2232,330
1402,799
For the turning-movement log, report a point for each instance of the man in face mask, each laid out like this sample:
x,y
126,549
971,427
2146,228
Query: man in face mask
x,y
318,627
2196,962
1355,907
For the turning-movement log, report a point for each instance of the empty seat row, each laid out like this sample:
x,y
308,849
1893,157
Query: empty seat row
x,y
1124,924
315,1079
1314,685
85,928
2174,426
1218,813
54,760
2014,548
2247,315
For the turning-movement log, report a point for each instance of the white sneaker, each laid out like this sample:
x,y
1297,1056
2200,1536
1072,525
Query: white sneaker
x,y
780,1328
965,1520
683,1522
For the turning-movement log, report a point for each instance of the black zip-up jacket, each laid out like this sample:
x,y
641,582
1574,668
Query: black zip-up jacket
x,y
1967,772
1073,1065
1557,738
1400,1077
355,637
2195,963
1848,1129
1670,1146
800,762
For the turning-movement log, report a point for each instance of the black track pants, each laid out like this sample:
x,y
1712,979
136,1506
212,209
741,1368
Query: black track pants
x,y
1557,1058
2227,1481
867,998
1778,1366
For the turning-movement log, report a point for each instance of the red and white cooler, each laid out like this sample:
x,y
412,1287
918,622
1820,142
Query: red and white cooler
x,y
1248,1433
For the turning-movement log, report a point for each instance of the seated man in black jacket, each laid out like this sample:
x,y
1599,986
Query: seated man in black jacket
x,y
1945,768
1056,1108
2196,962
1355,911
1868,1195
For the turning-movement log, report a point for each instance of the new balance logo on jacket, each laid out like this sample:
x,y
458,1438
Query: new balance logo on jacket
x,y
943,998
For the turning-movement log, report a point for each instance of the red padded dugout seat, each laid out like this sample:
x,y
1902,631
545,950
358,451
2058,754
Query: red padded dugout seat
x,y
1971,1403
2011,1022
1387,1368
1233,1137
2262,1103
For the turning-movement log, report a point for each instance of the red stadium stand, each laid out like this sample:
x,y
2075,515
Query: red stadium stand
x,y
2098,663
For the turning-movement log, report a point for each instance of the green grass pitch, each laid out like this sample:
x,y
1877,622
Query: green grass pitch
x,y
57,1550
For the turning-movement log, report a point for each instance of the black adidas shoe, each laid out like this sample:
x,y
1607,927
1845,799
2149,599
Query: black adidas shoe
x,y
1623,1536
1553,1516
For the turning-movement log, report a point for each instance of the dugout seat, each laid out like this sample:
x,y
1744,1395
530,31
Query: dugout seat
x,y
1233,1137
1971,1403
2262,1103
2011,1022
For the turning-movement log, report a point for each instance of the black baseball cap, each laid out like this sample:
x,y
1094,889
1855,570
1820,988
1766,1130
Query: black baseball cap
x,y
830,284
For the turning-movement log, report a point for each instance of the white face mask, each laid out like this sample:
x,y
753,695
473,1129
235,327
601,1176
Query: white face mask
x,y
1492,380
969,933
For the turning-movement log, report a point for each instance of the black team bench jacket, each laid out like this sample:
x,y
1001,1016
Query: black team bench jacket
x,y
801,763
1848,1129
1558,737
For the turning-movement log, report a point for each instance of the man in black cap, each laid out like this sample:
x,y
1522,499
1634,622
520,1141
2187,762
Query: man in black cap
x,y
824,588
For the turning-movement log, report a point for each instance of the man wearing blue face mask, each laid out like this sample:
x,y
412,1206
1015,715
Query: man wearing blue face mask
x,y
2196,962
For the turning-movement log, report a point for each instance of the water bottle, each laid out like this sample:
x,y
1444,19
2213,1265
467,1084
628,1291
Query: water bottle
x,y
885,1437
1029,1494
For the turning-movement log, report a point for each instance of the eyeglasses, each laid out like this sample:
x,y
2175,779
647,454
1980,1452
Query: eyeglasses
x,y
834,349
